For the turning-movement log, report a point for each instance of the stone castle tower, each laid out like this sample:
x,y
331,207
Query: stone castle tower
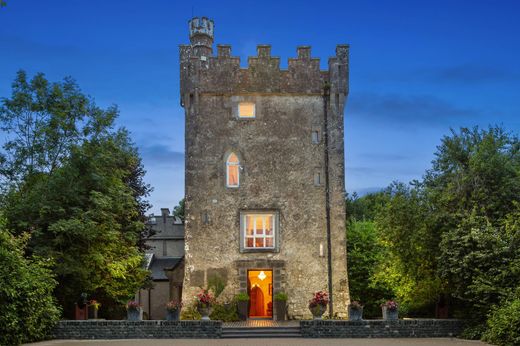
x,y
265,194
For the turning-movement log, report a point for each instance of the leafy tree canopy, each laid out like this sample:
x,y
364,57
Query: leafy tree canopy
x,y
76,185
455,232
179,209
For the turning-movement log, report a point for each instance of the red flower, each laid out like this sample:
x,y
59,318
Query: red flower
x,y
390,305
319,298
204,297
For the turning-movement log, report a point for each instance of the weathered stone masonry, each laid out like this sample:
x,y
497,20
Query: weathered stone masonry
x,y
279,163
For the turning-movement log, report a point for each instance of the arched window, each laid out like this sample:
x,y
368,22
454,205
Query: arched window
x,y
232,171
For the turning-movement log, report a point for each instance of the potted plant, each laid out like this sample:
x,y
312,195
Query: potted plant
x,y
173,309
93,308
390,310
355,311
280,305
204,301
242,300
318,304
133,311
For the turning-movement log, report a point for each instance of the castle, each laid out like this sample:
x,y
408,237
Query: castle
x,y
265,194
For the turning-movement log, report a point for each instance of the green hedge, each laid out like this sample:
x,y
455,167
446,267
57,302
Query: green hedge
x,y
28,310
504,324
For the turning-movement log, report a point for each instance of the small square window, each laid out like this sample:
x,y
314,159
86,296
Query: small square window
x,y
246,110
317,179
315,136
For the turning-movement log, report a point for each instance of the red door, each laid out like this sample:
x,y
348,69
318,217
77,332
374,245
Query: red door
x,y
256,307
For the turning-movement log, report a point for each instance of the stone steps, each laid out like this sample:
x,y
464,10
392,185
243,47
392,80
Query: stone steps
x,y
261,332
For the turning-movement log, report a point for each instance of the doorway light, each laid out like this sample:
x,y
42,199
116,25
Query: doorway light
x,y
262,275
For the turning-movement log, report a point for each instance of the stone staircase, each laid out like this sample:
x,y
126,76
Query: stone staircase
x,y
261,332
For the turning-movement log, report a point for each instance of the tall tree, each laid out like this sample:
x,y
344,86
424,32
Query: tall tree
x,y
365,252
410,266
43,121
77,186
474,186
475,170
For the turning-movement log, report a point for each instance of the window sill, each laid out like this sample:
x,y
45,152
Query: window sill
x,y
258,250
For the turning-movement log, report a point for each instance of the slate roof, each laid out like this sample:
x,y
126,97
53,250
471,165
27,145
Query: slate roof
x,y
158,265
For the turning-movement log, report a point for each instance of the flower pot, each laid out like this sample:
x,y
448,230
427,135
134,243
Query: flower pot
x,y
280,307
355,314
318,311
172,315
204,310
133,314
390,315
242,307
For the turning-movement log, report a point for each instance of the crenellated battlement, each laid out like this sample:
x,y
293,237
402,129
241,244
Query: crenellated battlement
x,y
222,73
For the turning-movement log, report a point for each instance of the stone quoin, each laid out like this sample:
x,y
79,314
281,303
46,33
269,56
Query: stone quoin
x,y
265,187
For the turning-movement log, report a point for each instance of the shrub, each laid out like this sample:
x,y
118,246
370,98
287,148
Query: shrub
x,y
473,330
242,297
281,296
190,312
226,312
217,284
29,310
504,324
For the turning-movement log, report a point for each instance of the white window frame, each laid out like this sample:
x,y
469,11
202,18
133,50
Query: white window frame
x,y
232,164
274,236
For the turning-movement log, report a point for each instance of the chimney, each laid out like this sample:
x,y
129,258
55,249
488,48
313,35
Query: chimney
x,y
165,212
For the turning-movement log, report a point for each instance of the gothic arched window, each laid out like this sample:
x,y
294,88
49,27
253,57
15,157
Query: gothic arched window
x,y
232,170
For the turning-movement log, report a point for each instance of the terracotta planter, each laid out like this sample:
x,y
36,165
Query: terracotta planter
x,y
172,315
242,307
204,310
133,314
318,311
280,307
390,315
355,314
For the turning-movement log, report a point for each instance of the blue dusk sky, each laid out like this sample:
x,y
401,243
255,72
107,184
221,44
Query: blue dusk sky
x,y
417,69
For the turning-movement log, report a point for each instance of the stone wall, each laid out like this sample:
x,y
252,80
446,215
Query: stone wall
x,y
137,330
420,328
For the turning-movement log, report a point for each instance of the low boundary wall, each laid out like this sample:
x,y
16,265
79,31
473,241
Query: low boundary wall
x,y
413,328
153,329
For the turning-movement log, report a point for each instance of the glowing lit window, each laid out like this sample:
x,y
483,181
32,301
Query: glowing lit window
x,y
232,171
246,110
258,230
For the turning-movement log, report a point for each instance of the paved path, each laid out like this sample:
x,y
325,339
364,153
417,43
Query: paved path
x,y
263,342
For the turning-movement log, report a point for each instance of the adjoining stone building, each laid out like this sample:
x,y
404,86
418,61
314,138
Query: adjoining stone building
x,y
165,260
265,194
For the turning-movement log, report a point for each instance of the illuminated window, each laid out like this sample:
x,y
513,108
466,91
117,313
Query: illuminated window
x,y
232,171
246,110
258,230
